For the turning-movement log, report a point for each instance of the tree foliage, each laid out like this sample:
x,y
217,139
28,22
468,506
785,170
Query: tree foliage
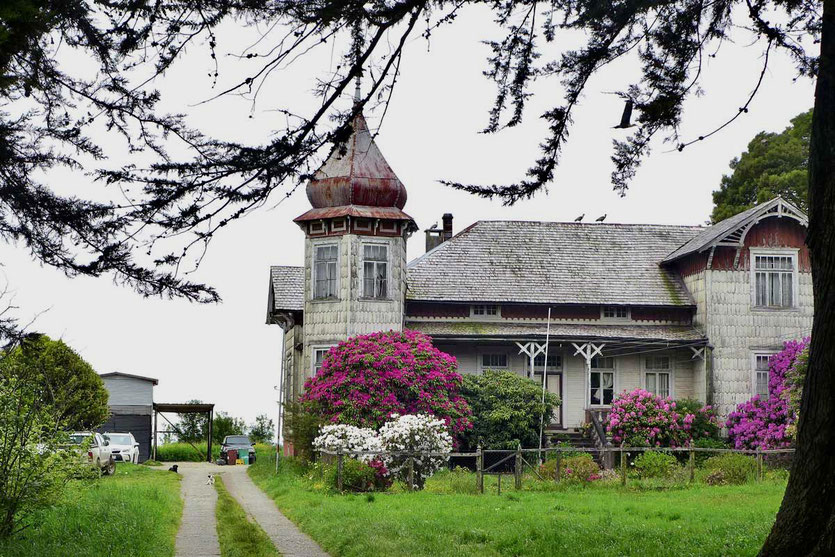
x,y
263,430
63,379
507,410
224,425
192,426
774,164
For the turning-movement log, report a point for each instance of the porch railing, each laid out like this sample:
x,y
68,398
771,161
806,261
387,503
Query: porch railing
x,y
597,417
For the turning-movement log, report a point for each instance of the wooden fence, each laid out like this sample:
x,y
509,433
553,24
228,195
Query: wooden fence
x,y
519,460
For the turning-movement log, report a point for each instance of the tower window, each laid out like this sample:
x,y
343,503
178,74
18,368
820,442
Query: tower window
x,y
325,272
774,279
375,259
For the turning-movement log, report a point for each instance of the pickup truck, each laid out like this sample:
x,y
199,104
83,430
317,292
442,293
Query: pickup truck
x,y
98,452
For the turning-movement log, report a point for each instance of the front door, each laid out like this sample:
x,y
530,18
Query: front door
x,y
553,383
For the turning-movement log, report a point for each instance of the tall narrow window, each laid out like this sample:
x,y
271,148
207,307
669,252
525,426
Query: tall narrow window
x,y
602,381
774,280
318,359
375,271
761,375
325,272
657,376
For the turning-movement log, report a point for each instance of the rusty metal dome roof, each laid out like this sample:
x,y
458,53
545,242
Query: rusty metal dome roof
x,y
359,176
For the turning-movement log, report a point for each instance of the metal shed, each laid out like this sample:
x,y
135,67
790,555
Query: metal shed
x,y
131,405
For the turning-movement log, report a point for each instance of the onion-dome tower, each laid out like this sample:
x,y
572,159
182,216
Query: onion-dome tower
x,y
355,246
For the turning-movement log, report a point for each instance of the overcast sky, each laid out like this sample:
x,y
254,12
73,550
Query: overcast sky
x,y
227,355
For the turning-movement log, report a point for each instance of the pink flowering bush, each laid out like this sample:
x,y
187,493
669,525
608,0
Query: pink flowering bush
x,y
642,419
368,379
767,423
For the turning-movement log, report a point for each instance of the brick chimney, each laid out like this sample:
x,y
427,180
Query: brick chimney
x,y
435,236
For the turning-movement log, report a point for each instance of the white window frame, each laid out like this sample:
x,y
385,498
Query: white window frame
x,y
614,372
362,228
388,226
753,253
669,371
313,351
754,372
388,247
481,355
343,225
315,247
485,315
616,317
317,227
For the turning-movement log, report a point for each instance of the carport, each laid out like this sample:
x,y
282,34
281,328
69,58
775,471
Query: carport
x,y
185,408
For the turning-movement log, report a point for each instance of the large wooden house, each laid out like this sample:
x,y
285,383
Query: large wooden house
x,y
681,311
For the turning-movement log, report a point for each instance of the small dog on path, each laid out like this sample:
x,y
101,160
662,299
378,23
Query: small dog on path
x,y
211,480
173,469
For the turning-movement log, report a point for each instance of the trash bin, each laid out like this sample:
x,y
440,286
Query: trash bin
x,y
245,458
231,456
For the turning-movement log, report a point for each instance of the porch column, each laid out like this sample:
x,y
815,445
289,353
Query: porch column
x,y
532,350
588,351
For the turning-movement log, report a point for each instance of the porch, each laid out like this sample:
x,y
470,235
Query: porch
x,y
587,373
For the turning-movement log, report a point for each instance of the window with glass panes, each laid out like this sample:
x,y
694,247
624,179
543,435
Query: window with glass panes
x,y
774,281
657,376
602,381
761,374
492,361
616,312
318,358
375,271
554,361
325,272
486,310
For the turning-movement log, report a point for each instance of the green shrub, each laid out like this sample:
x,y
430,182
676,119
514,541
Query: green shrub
x,y
701,457
655,464
580,468
507,409
184,452
356,476
730,468
301,426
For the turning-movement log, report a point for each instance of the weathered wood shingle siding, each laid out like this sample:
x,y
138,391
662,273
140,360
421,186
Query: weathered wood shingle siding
x,y
127,391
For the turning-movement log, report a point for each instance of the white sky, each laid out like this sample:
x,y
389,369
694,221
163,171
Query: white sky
x,y
226,354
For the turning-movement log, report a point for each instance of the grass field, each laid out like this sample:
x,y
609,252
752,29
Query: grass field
x,y
238,536
565,520
136,512
184,452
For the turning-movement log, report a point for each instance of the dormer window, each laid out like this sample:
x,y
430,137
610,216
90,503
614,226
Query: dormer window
x,y
485,311
615,312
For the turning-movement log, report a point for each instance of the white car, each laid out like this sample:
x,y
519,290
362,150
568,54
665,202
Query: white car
x,y
97,449
123,447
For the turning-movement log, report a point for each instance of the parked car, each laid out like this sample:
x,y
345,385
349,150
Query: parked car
x,y
123,447
98,450
240,443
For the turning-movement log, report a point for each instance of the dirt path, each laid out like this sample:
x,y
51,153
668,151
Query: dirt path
x,y
288,539
197,536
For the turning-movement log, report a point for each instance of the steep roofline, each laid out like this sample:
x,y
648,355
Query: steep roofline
x,y
130,376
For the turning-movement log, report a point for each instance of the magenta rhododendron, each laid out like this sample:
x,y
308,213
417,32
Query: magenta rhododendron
x,y
641,418
765,422
367,379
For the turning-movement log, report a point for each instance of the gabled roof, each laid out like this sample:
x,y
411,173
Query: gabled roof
x,y
732,231
129,376
553,262
286,289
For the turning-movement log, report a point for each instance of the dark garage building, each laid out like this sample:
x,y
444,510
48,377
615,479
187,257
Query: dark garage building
x,y
131,406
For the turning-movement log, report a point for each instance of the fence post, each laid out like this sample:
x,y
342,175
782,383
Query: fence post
x,y
499,488
339,457
558,466
759,465
622,466
479,468
518,468
411,473
692,465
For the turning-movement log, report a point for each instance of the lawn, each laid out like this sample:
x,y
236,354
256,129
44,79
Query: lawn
x,y
559,520
238,535
136,512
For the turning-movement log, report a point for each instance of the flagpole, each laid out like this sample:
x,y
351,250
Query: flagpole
x,y
544,376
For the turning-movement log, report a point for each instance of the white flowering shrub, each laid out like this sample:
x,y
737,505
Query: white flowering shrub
x,y
341,437
415,433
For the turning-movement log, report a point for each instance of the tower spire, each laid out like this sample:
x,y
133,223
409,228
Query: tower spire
x,y
357,37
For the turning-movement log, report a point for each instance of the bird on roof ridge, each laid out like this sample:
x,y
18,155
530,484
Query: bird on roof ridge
x,y
601,219
578,219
